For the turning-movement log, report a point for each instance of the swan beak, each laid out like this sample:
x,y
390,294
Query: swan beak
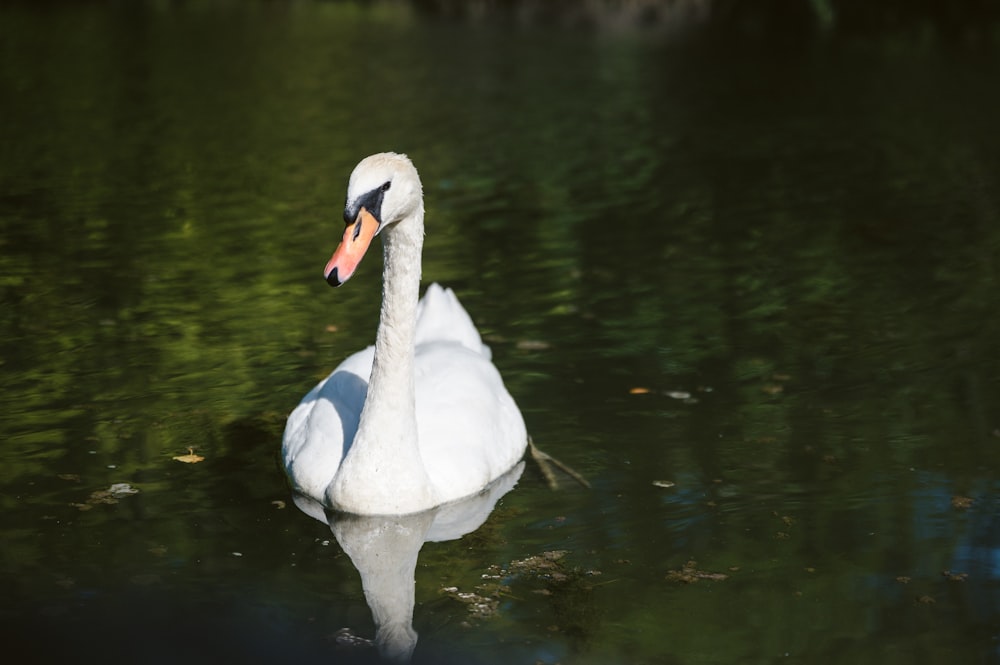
x,y
357,237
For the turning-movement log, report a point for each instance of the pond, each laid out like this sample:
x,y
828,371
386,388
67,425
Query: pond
x,y
747,287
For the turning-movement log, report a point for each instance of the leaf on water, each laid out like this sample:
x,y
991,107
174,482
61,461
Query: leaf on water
x,y
664,483
961,502
955,577
678,394
638,390
73,477
533,345
190,458
279,504
331,328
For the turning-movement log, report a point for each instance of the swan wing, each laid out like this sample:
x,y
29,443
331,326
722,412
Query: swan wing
x,y
469,427
321,428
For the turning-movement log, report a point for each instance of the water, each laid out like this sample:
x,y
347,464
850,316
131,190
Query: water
x,y
764,273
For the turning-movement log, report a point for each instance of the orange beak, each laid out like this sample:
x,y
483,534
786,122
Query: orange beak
x,y
357,237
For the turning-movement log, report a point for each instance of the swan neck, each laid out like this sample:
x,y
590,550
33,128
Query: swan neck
x,y
383,472
395,338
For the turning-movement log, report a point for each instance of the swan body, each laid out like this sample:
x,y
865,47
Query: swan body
x,y
422,417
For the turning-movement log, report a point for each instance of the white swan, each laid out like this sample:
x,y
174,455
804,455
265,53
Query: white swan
x,y
422,417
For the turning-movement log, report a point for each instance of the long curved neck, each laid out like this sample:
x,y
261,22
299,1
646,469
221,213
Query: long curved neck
x,y
390,389
383,472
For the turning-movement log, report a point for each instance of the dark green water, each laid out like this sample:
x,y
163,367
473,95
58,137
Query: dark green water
x,y
792,250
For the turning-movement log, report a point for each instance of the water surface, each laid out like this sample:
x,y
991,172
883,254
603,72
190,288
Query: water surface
x,y
749,291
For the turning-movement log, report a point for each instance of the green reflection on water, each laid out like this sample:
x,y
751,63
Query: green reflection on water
x,y
807,248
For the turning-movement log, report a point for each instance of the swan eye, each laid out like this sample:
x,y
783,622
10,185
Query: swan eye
x,y
385,187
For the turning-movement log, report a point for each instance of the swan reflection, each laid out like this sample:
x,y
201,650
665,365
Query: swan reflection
x,y
384,549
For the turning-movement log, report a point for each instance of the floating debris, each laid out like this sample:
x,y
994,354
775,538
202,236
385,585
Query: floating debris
x,y
190,458
72,477
678,394
903,579
926,600
345,639
538,564
112,494
689,574
546,461
479,606
954,577
961,502
278,503
666,484
533,345
547,567
109,496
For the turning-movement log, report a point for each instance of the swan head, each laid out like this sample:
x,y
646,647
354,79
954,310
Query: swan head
x,y
384,189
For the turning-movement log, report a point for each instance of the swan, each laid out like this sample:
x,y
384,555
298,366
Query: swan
x,y
421,418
